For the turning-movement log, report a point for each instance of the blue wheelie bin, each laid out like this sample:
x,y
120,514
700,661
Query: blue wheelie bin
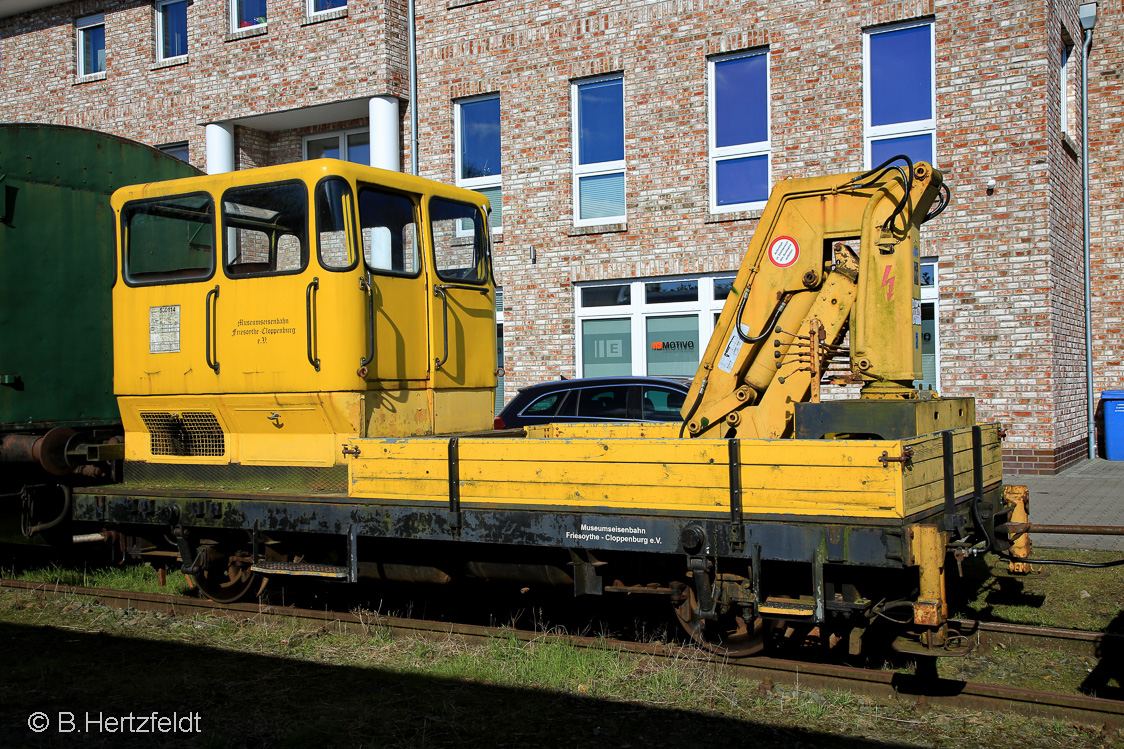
x,y
1113,401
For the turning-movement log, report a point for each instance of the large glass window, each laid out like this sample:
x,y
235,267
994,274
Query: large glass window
x,y
669,320
351,145
246,14
91,44
739,131
388,225
672,345
266,229
460,255
168,239
599,188
606,347
478,163
171,29
899,97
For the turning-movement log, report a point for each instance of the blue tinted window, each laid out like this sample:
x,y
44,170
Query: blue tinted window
x,y
250,13
93,50
480,138
174,17
742,180
740,101
322,5
601,121
901,76
916,147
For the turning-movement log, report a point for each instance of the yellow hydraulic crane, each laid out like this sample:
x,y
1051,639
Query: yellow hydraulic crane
x,y
831,256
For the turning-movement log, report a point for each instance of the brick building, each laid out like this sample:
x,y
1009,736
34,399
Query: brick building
x,y
633,144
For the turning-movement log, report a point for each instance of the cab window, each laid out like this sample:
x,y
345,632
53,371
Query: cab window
x,y
460,241
266,229
168,239
388,227
333,216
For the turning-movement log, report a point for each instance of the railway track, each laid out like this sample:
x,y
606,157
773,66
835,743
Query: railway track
x,y
883,686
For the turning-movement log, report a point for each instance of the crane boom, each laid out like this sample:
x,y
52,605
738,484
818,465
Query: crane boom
x,y
831,256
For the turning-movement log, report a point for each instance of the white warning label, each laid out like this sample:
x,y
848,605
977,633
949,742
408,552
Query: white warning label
x,y
916,311
784,252
730,355
164,329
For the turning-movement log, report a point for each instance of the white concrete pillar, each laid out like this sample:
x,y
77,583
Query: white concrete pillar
x,y
385,137
220,148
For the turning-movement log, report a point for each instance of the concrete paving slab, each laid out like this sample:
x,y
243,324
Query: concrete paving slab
x,y
1090,493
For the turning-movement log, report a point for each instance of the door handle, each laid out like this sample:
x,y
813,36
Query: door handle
x,y
310,321
212,320
367,285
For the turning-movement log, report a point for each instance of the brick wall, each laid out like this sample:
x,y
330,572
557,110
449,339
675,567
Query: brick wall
x,y
1106,181
1011,312
292,63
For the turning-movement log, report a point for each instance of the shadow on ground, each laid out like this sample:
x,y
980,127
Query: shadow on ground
x,y
260,700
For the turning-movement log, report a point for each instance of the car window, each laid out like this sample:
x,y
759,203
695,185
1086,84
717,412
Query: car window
x,y
661,404
546,405
603,402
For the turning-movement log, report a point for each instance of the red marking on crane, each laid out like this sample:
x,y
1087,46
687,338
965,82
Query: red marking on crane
x,y
888,280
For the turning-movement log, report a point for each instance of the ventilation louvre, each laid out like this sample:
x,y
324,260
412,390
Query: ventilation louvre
x,y
191,434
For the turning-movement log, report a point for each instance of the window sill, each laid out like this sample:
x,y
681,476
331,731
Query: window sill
x,y
171,62
80,79
462,3
582,231
246,33
722,218
1070,146
328,15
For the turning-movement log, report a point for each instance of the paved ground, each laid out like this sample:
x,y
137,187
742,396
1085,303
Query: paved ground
x,y
1090,493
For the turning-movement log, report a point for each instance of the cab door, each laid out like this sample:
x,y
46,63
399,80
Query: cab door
x,y
259,301
462,311
396,350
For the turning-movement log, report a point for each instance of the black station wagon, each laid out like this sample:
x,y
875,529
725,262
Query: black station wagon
x,y
595,399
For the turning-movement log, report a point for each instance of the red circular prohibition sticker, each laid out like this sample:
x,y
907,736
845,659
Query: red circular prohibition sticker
x,y
783,252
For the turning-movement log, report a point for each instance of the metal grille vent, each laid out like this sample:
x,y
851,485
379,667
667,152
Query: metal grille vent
x,y
186,434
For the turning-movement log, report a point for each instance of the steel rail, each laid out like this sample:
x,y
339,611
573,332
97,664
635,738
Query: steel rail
x,y
882,686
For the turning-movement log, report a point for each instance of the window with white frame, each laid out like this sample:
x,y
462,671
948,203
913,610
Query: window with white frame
x,y
1065,81
598,116
899,93
656,327
323,6
930,340
477,152
91,44
739,131
348,145
171,29
246,14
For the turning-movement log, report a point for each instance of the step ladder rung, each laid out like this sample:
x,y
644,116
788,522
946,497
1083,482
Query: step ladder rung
x,y
300,569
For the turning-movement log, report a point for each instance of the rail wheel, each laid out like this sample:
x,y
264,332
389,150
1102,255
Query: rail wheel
x,y
226,577
731,634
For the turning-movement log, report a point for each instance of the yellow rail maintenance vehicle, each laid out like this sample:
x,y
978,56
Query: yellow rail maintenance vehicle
x,y
305,361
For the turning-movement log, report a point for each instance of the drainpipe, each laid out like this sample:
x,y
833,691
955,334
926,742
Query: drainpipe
x,y
413,44
1087,14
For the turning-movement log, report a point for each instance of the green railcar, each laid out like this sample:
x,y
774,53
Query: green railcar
x,y
57,268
